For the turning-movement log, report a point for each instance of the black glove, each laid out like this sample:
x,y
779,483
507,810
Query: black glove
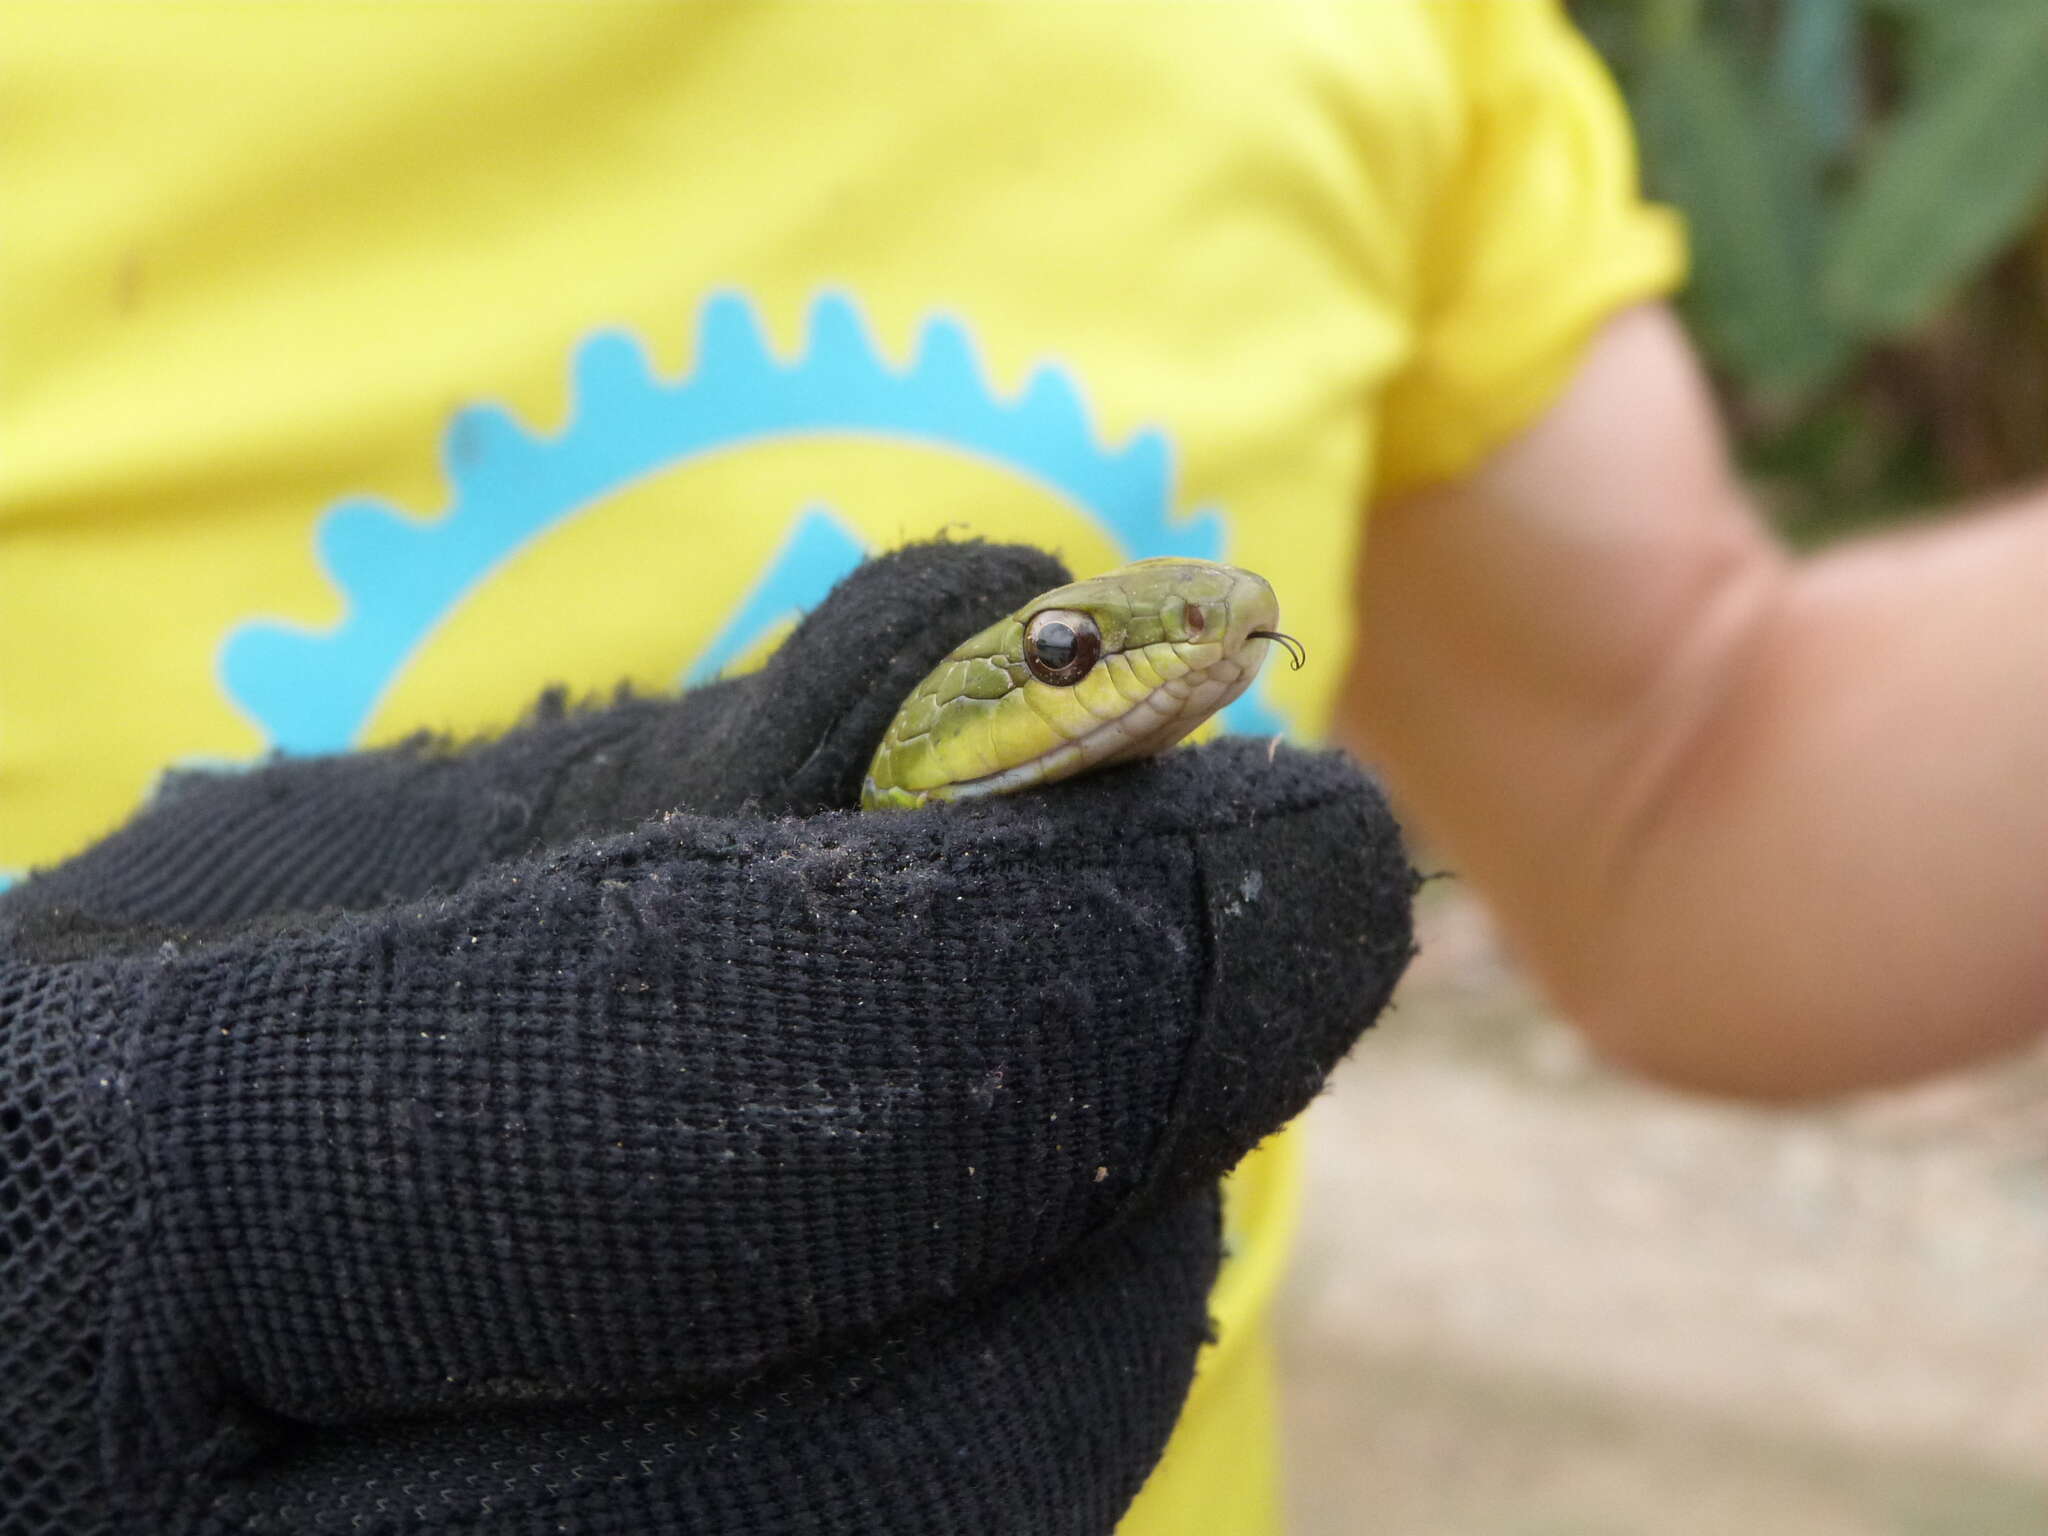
x,y
600,1130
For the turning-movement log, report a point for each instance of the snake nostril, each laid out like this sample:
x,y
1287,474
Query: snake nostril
x,y
1195,620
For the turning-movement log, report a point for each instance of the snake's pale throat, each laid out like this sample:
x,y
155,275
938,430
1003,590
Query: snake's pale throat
x,y
1096,672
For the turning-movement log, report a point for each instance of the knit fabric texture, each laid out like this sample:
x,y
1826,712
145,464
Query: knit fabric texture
x,y
597,1130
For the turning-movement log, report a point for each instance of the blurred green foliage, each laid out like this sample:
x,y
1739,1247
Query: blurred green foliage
x,y
1865,183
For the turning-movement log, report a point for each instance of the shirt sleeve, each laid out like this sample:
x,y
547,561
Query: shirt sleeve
x,y
1539,235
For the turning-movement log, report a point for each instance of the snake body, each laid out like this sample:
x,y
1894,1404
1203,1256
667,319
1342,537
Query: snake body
x,y
1096,672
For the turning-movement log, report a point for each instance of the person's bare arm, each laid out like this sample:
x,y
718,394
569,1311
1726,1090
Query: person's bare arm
x,y
1762,826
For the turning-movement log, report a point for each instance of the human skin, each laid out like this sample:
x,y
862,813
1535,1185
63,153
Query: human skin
x,y
1762,825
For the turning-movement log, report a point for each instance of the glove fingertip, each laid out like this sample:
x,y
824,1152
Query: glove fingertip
x,y
846,669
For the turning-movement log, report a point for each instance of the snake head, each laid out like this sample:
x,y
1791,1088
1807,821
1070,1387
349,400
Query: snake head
x,y
1101,671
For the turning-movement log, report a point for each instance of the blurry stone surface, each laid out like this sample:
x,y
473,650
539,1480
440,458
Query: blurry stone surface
x,y
1534,1295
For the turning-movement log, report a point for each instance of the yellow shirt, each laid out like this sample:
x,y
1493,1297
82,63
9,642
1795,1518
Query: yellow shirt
x,y
368,368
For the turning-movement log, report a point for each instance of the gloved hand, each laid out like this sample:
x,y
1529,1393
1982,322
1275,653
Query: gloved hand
x,y
601,1129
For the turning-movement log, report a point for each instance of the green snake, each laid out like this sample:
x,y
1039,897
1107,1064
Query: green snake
x,y
1096,672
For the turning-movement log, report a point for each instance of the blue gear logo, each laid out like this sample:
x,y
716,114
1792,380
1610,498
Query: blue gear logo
x,y
315,692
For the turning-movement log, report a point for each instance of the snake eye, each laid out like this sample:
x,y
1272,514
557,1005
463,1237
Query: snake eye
x,y
1060,645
